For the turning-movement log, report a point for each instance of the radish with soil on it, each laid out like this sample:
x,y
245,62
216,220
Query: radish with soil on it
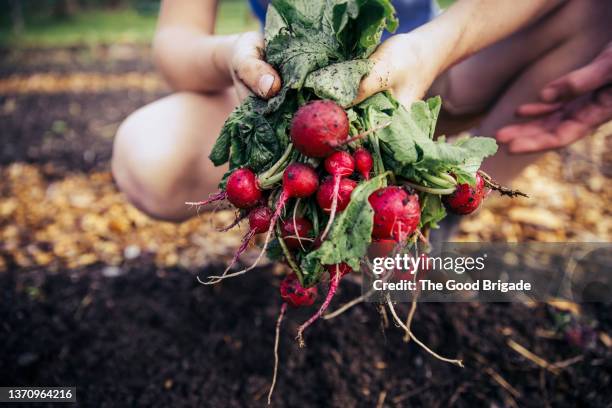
x,y
294,294
318,128
363,162
466,199
325,194
299,181
242,190
339,164
396,213
336,273
295,231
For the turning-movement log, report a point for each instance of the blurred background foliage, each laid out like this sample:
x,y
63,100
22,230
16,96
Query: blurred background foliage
x,y
26,23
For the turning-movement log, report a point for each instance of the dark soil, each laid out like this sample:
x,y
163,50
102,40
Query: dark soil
x,y
157,338
97,58
66,131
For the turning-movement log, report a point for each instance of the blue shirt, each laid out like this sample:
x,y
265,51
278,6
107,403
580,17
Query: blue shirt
x,y
411,13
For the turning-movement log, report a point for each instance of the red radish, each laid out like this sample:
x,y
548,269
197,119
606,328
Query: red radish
x,y
336,272
382,248
295,294
259,219
339,164
318,127
363,162
242,188
294,231
396,213
325,194
259,222
299,181
466,199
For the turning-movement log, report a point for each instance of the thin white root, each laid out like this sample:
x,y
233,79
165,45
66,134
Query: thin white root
x,y
413,307
348,305
281,204
416,340
243,246
295,228
276,340
334,207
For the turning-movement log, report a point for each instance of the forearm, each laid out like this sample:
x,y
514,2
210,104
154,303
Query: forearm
x,y
471,25
192,60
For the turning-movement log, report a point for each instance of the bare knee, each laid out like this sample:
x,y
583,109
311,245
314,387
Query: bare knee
x,y
150,165
140,169
160,153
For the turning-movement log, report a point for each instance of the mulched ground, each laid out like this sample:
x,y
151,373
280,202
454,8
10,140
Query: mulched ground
x,y
95,295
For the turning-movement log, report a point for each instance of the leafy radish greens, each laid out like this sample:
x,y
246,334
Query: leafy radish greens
x,y
320,48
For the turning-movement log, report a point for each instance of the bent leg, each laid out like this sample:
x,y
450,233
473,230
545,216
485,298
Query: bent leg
x,y
513,71
160,154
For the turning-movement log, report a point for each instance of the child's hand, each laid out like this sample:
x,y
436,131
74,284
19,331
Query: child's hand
x,y
403,66
250,73
570,108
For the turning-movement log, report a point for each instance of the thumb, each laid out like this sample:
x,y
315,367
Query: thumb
x,y
260,77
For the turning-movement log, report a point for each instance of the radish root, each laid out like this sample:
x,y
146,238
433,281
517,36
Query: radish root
x,y
493,185
239,217
218,196
333,287
276,341
243,246
281,204
416,340
334,207
348,305
295,227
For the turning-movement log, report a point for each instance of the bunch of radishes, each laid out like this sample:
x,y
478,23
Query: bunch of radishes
x,y
329,165
324,178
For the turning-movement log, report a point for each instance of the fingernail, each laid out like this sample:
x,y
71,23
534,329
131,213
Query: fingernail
x,y
549,94
265,84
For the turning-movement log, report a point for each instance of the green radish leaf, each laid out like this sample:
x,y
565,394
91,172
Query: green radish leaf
x,y
303,36
359,25
221,150
300,14
275,23
338,82
407,144
249,139
350,235
432,210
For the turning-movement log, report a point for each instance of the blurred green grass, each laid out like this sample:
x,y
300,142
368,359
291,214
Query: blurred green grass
x,y
112,26
92,27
